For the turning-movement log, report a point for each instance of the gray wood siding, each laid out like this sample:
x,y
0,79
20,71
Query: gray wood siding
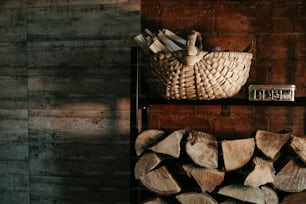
x,y
64,100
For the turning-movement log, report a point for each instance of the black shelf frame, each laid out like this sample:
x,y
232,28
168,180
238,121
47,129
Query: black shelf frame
x,y
139,112
298,102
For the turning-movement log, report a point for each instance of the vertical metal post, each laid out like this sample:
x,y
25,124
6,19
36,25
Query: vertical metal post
x,y
134,106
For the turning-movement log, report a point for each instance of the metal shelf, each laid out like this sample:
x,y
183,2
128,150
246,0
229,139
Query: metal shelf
x,y
298,102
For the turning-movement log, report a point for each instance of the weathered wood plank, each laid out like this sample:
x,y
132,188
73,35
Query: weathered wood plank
x,y
13,86
78,189
76,168
76,53
76,152
13,27
58,3
13,71
14,151
13,125
14,182
13,55
16,102
14,167
82,123
12,4
59,23
14,197
77,86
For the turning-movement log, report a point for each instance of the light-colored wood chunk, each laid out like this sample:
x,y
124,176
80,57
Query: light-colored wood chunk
x,y
270,195
202,148
160,181
298,144
261,174
291,178
270,143
195,198
146,139
243,193
146,163
232,201
170,145
207,179
236,153
154,201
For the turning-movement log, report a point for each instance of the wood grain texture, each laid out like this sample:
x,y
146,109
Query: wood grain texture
x,y
61,114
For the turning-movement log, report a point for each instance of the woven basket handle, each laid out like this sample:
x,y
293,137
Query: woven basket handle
x,y
191,43
194,54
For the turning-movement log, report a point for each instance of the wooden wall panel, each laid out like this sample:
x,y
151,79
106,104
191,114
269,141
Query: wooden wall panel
x,y
14,148
227,121
67,22
48,189
64,100
78,76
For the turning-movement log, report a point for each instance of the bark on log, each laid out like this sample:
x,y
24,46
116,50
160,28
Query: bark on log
x,y
298,144
291,178
236,153
146,139
195,198
270,195
160,181
170,145
262,173
202,148
243,193
295,198
270,143
207,179
146,163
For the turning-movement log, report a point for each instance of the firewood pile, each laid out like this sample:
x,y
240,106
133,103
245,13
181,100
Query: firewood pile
x,y
190,167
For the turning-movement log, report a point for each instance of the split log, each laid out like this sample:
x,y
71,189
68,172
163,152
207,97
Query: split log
x,y
236,153
202,148
160,181
291,178
195,198
243,193
298,144
270,143
232,201
146,163
170,145
270,195
295,198
146,139
262,173
207,179
155,201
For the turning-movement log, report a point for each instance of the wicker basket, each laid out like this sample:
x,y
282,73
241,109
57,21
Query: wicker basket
x,y
196,74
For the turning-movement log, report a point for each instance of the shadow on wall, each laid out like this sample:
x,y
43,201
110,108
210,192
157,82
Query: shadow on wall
x,y
79,92
79,131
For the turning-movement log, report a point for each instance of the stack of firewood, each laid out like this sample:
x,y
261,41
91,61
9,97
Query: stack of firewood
x,y
189,166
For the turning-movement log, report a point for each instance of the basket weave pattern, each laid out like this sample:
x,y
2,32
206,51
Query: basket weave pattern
x,y
215,75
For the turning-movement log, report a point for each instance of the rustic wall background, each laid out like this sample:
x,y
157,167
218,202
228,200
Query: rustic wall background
x,y
64,100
